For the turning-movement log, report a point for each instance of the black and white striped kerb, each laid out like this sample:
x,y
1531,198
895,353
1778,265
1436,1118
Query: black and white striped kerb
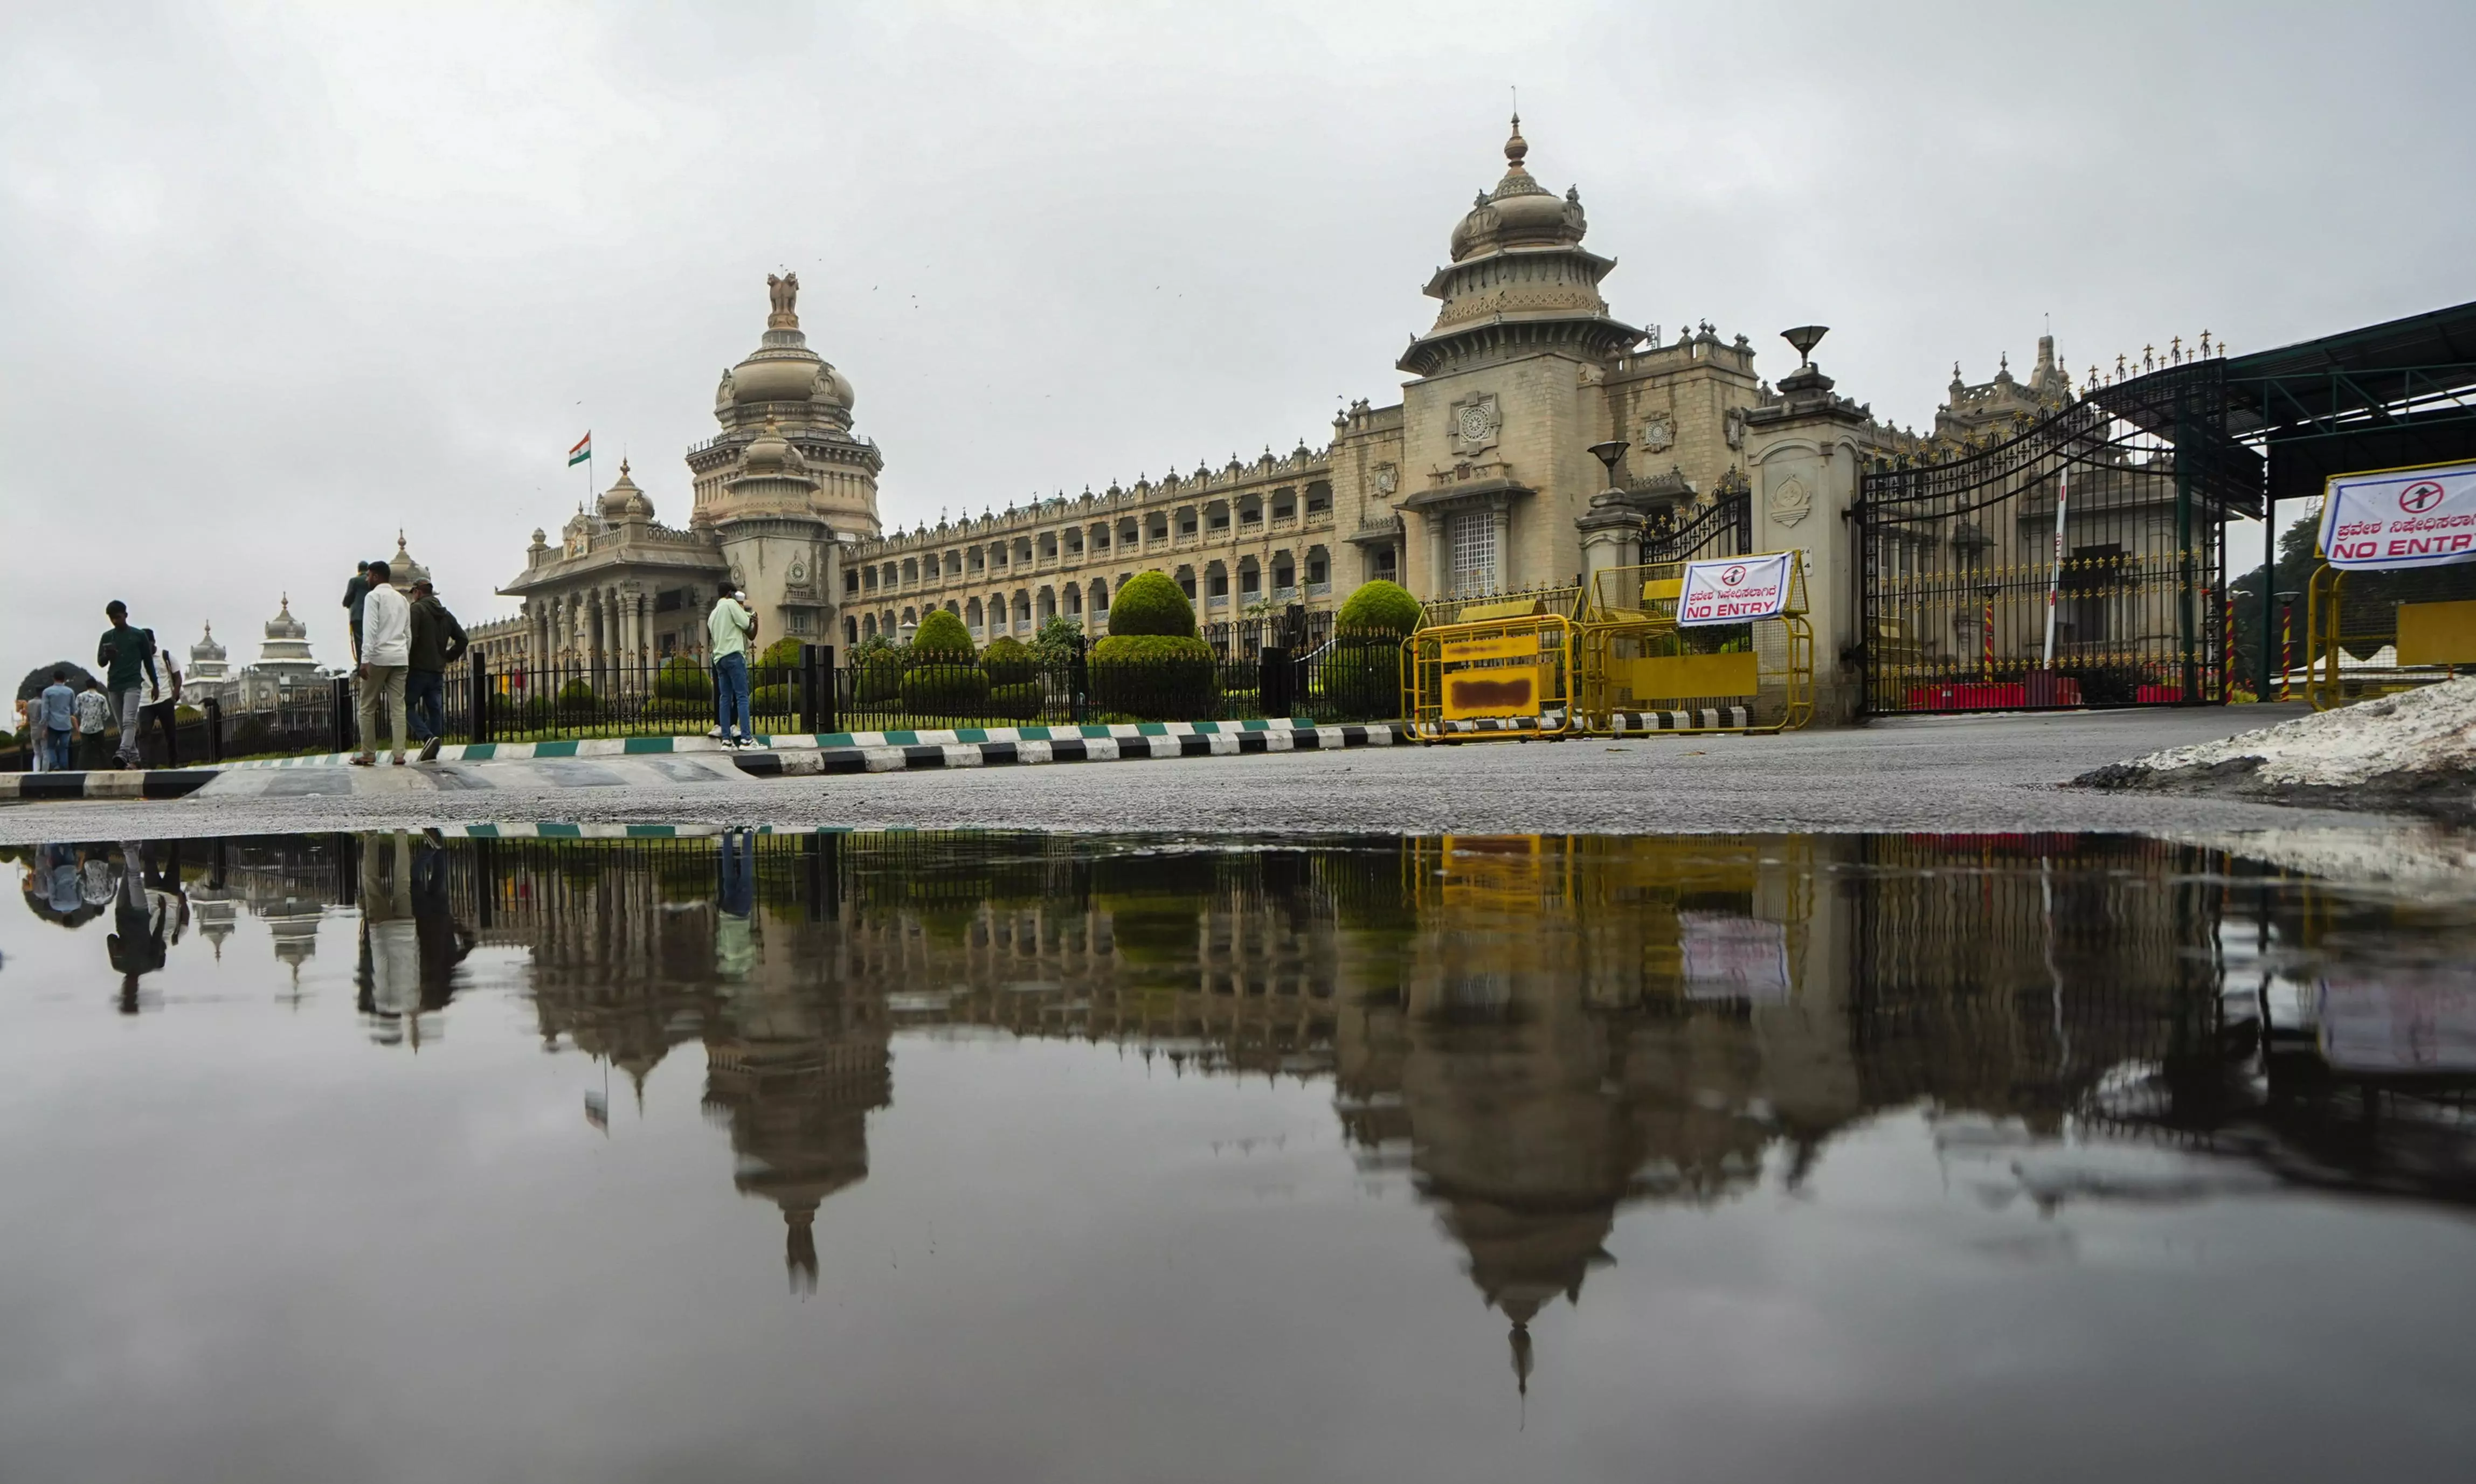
x,y
797,761
1714,719
137,784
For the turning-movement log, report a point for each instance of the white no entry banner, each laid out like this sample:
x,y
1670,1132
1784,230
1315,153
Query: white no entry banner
x,y
2410,518
1733,592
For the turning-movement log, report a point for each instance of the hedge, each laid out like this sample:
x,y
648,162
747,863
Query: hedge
x,y
683,678
941,638
1009,662
1161,678
877,677
1019,701
1379,607
945,689
781,654
770,700
1150,605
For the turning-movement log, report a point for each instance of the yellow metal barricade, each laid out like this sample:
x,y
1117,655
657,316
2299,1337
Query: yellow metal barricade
x,y
2371,634
1509,676
1639,670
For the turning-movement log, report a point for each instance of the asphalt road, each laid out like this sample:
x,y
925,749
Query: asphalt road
x,y
1962,775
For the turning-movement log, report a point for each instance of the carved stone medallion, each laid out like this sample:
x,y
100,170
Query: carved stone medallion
x,y
1388,478
1659,434
1791,501
1476,421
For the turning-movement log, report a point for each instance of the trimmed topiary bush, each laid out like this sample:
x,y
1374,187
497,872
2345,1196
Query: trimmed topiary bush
x,y
1161,678
1009,662
683,678
1379,607
781,654
770,700
945,689
1150,603
1019,701
941,639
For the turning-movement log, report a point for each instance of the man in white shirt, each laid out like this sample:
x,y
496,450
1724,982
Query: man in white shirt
x,y
386,648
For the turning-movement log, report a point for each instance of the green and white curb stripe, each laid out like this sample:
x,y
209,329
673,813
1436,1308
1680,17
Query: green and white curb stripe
x,y
639,746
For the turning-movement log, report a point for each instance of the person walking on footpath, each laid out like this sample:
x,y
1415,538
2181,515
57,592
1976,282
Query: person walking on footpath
x,y
30,735
162,704
93,715
729,628
386,646
128,658
56,718
437,641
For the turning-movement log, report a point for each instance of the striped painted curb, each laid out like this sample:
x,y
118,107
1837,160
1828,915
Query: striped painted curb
x,y
1621,723
1175,740
637,747
135,784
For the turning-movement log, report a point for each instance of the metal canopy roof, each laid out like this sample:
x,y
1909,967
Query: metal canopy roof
x,y
2376,398
2381,397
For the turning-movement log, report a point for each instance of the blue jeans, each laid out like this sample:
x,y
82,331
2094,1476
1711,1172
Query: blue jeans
x,y
425,702
729,693
63,748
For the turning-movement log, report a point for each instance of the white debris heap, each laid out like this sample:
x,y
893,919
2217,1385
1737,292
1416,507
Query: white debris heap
x,y
2419,732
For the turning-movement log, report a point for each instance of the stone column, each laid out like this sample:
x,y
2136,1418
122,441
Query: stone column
x,y
1440,561
1500,516
1612,535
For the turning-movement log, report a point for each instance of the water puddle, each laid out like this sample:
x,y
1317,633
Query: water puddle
x,y
915,1155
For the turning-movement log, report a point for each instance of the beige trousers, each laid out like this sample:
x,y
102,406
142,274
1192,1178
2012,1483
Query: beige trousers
x,y
384,683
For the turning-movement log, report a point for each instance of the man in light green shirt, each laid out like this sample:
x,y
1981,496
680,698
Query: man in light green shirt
x,y
729,627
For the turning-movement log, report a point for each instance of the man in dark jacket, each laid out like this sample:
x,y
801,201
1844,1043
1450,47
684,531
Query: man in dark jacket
x,y
355,593
437,642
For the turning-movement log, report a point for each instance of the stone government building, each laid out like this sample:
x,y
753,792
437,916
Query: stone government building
x,y
1479,479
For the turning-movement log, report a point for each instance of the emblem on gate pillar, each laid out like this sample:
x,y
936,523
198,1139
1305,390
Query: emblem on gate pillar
x,y
1791,501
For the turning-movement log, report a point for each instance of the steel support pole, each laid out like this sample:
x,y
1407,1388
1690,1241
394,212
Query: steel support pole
x,y
2269,588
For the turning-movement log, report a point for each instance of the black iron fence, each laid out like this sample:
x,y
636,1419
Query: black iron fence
x,y
1339,678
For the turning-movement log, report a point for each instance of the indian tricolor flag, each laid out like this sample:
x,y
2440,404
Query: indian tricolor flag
x,y
583,450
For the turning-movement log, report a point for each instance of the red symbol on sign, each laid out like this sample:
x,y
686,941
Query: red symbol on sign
x,y
2421,496
1735,574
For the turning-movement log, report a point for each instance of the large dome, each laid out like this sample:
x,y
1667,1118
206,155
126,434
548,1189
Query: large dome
x,y
1521,212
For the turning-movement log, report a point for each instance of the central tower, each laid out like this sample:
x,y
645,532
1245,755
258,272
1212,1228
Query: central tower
x,y
786,481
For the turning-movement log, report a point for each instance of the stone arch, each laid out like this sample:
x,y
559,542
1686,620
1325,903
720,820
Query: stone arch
x,y
1284,575
911,570
1184,578
1022,606
1099,607
1072,598
1216,583
867,626
1216,517
1250,579
951,607
1317,572
972,617
851,631
1044,604
911,615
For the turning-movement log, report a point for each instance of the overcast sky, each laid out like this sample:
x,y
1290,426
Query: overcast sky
x,y
277,281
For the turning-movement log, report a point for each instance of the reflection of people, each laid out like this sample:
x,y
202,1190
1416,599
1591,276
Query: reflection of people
x,y
734,951
443,941
389,933
135,946
52,887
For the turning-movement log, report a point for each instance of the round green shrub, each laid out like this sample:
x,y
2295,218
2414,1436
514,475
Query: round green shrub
x,y
683,678
1379,607
1161,678
782,657
576,693
877,676
1150,603
1357,679
770,700
1009,662
951,689
941,639
1018,700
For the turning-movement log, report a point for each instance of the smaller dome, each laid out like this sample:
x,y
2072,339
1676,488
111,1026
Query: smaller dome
x,y
284,626
401,570
770,454
206,648
622,496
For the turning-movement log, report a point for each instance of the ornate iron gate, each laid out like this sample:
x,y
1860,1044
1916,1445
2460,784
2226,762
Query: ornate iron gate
x,y
1960,558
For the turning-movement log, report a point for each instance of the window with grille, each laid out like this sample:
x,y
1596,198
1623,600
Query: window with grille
x,y
1469,538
